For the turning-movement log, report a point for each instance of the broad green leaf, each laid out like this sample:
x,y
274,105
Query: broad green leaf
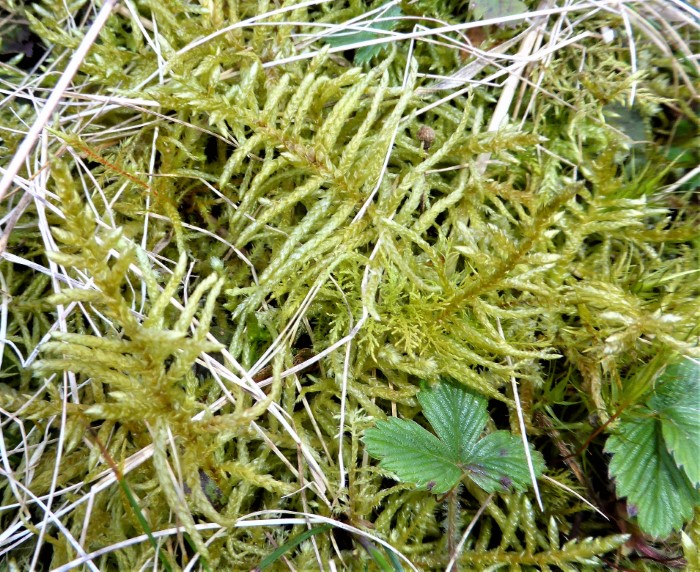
x,y
487,9
680,427
647,475
677,401
629,121
456,414
413,454
366,53
679,383
498,463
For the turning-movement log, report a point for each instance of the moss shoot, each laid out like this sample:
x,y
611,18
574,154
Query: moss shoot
x,y
241,239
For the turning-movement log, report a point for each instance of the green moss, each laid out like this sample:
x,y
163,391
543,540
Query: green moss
x,y
245,217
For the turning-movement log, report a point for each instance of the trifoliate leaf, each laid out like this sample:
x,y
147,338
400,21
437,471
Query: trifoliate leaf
x,y
366,53
648,476
498,463
487,9
677,401
414,454
458,416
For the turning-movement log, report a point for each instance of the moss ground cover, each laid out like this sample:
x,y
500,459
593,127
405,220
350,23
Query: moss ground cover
x,y
237,235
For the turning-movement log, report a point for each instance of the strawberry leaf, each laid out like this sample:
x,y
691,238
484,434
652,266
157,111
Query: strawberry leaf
x,y
413,454
648,476
487,9
366,53
457,415
495,463
678,404
680,427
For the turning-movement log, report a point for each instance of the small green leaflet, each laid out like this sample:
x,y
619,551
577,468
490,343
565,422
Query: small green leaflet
x,y
647,475
366,53
496,463
655,454
488,9
628,121
678,404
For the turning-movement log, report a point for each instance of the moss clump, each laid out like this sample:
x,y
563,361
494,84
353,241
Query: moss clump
x,y
230,267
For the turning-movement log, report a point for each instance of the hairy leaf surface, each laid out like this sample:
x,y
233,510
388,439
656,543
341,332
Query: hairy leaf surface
x,y
495,463
366,53
487,9
498,462
648,476
414,454
678,403
457,415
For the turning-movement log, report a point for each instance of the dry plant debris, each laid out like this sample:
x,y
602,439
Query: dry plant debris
x,y
236,235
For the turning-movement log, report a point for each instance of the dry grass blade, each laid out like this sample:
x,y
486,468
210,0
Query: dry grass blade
x,y
53,100
229,251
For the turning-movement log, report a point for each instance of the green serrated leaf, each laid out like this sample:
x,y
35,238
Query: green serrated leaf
x,y
414,454
629,121
679,383
366,53
487,9
456,414
647,475
677,401
498,463
680,427
495,463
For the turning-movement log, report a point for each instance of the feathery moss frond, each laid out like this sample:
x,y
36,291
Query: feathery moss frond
x,y
233,251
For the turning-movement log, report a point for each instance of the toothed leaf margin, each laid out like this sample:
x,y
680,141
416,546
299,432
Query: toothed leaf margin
x,y
495,463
